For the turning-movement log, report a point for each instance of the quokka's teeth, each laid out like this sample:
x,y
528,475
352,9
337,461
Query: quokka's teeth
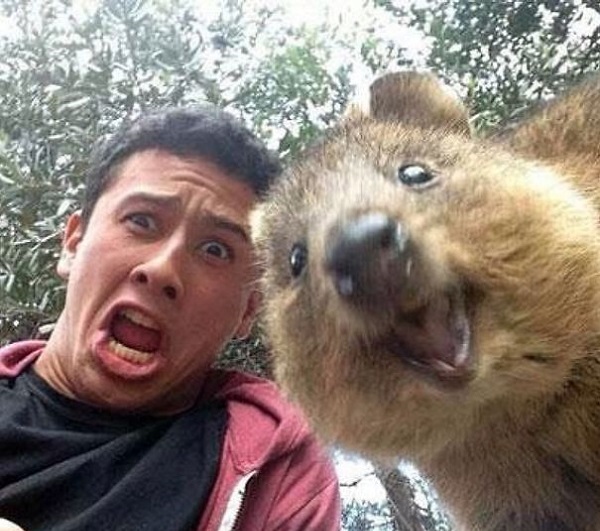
x,y
139,318
129,354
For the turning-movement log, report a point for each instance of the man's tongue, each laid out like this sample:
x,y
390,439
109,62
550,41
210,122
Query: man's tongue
x,y
134,335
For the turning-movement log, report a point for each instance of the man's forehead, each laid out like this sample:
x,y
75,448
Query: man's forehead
x,y
158,165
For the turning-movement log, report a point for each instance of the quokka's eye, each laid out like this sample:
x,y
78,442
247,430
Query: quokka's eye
x,y
298,259
415,175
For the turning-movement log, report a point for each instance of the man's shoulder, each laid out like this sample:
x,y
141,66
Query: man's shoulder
x,y
249,392
268,437
230,384
262,422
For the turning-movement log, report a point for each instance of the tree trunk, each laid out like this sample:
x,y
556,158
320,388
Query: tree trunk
x,y
401,497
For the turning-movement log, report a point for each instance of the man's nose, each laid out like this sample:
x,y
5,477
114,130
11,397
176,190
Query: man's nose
x,y
161,270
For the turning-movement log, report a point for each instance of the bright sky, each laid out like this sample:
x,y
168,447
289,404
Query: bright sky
x,y
346,13
302,11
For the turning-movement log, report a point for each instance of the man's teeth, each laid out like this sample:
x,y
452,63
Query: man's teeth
x,y
129,354
139,318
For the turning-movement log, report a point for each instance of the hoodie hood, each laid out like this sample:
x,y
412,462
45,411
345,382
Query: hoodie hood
x,y
15,358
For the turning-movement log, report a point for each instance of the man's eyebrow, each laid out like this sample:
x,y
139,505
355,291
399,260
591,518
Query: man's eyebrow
x,y
220,222
161,199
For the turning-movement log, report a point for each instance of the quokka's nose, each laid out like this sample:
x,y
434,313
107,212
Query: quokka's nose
x,y
364,252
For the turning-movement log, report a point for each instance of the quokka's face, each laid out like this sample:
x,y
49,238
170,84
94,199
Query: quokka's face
x,y
411,277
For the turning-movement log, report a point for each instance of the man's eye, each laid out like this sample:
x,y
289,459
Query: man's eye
x,y
216,249
145,221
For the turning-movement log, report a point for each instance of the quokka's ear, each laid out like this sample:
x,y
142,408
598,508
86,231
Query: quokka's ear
x,y
415,99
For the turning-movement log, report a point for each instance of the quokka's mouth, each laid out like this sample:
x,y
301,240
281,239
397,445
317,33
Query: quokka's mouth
x,y
435,341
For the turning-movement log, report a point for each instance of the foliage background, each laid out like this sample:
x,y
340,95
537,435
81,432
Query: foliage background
x,y
71,71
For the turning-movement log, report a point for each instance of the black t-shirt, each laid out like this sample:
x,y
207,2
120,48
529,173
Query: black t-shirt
x,y
67,466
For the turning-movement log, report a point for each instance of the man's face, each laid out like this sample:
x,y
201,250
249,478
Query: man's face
x,y
159,280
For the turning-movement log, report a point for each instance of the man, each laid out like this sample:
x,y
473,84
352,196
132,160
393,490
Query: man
x,y
118,422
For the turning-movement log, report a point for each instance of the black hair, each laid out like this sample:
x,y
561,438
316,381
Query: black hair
x,y
204,131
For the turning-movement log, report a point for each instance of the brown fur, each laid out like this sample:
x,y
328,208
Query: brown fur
x,y
498,254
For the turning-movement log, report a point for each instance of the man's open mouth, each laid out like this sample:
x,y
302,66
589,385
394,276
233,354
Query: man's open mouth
x,y
134,336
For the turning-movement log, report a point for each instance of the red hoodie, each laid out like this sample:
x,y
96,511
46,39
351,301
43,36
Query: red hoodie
x,y
273,474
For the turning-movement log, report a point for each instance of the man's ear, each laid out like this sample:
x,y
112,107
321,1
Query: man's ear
x,y
72,236
252,305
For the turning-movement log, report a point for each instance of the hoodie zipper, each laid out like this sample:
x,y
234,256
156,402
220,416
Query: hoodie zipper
x,y
234,506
